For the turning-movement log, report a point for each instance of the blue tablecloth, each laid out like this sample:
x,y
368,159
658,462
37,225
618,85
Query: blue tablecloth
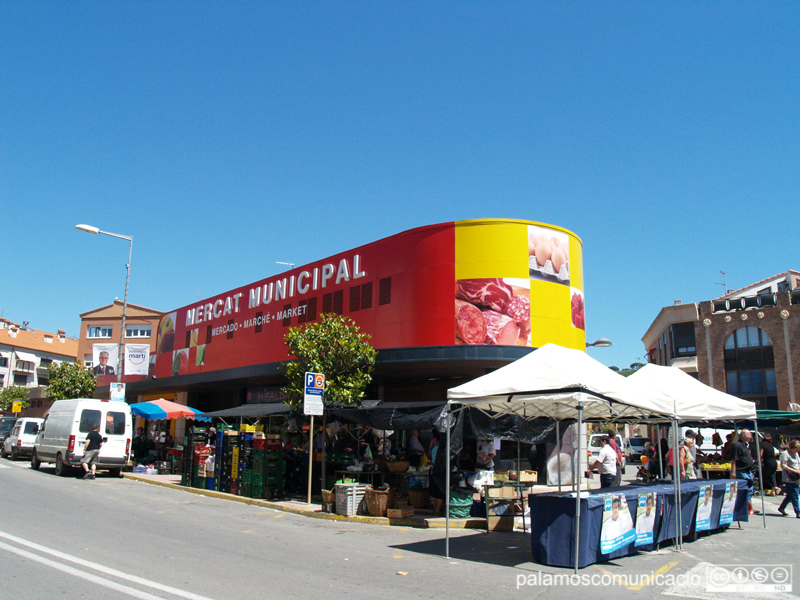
x,y
553,518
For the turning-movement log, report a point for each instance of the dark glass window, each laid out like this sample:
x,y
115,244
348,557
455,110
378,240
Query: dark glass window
x,y
89,418
115,423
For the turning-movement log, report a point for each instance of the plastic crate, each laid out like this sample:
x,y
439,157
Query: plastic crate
x,y
348,497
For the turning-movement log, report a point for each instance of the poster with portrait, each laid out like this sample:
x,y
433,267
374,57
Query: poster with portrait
x,y
705,501
728,504
645,519
117,392
561,468
617,529
104,359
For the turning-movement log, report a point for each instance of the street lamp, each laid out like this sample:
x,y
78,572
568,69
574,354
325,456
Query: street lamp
x,y
600,343
95,230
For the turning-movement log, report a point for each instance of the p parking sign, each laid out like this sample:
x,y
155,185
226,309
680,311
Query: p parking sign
x,y
312,395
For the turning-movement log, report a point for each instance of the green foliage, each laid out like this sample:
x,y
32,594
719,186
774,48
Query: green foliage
x,y
336,347
629,370
70,380
11,394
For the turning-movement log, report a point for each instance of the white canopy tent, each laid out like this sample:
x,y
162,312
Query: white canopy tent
x,y
558,383
561,383
696,401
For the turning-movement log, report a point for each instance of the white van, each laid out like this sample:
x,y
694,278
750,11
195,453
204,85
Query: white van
x,y
62,436
21,438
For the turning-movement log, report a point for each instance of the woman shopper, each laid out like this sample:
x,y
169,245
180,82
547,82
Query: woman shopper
x,y
790,462
686,462
769,466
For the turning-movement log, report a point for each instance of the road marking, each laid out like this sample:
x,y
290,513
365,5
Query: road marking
x,y
95,566
645,581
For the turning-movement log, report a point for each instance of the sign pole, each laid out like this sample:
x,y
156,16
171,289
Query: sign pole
x,y
310,455
313,404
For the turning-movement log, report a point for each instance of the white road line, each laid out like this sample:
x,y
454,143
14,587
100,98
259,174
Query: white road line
x,y
95,566
81,574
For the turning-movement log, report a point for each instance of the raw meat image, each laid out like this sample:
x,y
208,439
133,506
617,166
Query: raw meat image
x,y
492,311
577,308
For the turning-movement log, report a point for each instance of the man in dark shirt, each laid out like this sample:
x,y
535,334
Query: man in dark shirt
x,y
90,451
742,464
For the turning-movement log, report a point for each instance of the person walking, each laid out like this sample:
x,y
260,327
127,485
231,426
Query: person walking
x,y
790,462
612,441
769,465
94,441
686,462
742,463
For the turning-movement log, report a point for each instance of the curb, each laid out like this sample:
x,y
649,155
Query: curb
x,y
314,511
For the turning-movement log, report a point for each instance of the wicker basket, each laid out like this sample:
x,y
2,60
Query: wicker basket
x,y
329,496
378,501
397,466
419,498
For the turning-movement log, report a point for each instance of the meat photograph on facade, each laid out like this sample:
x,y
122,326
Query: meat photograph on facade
x,y
492,311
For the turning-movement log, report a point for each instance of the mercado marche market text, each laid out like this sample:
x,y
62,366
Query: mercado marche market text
x,y
276,290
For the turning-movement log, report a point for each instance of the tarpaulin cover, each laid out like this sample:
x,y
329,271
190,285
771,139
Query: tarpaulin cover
x,y
397,416
252,411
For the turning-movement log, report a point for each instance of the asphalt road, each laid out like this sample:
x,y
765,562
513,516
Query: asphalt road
x,y
115,538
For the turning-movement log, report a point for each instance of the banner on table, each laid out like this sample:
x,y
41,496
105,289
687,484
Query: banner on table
x,y
728,504
645,519
705,501
617,530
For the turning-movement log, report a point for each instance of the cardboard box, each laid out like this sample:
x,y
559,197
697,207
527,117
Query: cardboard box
x,y
400,513
501,492
501,523
525,476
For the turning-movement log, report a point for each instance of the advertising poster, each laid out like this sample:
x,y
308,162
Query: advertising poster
x,y
117,392
617,530
645,519
728,504
493,311
104,359
705,500
137,359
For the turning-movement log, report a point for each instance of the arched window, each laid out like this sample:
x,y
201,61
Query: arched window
x,y
750,367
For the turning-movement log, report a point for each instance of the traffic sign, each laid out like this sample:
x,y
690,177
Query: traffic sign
x,y
313,395
16,406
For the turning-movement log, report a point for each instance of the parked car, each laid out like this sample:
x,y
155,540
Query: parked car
x,y
62,436
6,425
594,448
636,449
20,441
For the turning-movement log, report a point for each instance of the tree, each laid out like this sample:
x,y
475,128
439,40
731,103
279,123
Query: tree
x,y
70,380
628,370
335,347
14,393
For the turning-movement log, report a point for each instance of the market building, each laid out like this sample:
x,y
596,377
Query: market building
x,y
443,303
744,343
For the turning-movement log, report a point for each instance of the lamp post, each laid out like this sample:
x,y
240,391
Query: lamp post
x,y
600,343
120,353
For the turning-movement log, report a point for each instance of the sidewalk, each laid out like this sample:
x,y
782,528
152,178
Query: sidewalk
x,y
421,518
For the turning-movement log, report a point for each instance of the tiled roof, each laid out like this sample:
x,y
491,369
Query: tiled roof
x,y
30,339
781,275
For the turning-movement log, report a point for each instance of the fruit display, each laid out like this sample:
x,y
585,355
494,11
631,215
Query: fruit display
x,y
180,362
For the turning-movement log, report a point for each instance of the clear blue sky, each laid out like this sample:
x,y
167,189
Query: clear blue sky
x,y
226,136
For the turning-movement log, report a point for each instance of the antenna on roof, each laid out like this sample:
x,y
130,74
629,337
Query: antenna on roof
x,y
288,264
724,283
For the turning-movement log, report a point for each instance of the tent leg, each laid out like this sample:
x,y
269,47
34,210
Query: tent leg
x,y
447,490
760,478
578,495
558,452
676,479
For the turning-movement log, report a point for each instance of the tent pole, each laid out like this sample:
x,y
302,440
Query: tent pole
x,y
676,482
558,452
578,495
447,490
760,478
660,458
